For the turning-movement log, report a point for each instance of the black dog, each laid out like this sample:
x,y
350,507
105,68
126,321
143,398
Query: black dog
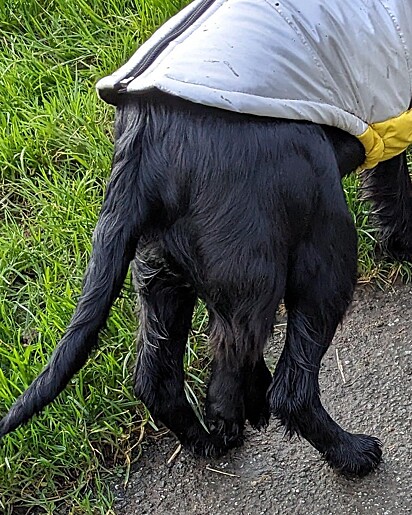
x,y
240,212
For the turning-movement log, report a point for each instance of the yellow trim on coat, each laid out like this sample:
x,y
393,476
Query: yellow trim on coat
x,y
387,139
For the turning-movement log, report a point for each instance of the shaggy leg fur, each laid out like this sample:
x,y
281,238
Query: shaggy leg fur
x,y
235,396
389,188
239,378
166,308
321,280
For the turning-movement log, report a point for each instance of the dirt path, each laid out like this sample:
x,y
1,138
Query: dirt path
x,y
270,475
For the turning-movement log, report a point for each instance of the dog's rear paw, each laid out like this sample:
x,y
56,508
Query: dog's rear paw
x,y
230,431
258,416
358,455
207,446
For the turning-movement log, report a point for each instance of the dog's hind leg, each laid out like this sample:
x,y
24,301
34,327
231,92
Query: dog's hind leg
x,y
166,309
239,380
321,280
256,404
389,188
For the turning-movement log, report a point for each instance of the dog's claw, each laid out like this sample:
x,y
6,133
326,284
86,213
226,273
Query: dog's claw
x,y
261,423
231,432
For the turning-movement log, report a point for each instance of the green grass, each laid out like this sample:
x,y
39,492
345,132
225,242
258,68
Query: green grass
x,y
55,152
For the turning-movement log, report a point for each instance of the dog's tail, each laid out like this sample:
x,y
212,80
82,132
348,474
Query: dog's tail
x,y
115,238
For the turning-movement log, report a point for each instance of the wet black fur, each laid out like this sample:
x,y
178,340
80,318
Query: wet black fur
x,y
240,212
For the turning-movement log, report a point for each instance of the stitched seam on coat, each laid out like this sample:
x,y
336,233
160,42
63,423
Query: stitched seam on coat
x,y
403,41
303,40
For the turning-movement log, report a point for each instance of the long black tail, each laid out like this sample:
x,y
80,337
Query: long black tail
x,y
120,224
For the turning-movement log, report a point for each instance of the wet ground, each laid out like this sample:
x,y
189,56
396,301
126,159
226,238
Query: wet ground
x,y
366,383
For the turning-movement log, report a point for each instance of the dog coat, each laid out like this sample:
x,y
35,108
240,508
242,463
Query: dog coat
x,y
344,63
